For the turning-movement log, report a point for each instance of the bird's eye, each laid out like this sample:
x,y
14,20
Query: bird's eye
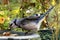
x,y
36,14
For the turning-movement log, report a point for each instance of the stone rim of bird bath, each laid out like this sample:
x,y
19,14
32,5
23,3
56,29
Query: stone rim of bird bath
x,y
21,37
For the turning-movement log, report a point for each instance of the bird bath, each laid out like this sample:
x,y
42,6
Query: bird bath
x,y
21,36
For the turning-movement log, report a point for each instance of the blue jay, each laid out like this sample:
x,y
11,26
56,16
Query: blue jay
x,y
30,23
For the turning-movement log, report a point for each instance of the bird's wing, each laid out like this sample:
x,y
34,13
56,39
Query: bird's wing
x,y
28,20
29,26
32,17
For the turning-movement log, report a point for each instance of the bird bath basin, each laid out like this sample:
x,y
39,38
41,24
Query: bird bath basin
x,y
21,35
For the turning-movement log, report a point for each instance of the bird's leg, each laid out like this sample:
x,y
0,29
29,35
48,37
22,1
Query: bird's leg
x,y
30,32
27,32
